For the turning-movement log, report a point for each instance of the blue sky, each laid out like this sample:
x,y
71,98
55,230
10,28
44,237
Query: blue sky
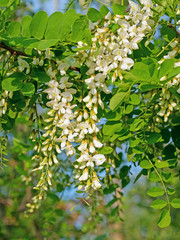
x,y
48,6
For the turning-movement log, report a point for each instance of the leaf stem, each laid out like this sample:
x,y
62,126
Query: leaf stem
x,y
162,182
103,3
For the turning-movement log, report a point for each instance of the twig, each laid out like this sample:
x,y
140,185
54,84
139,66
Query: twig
x,y
20,53
12,51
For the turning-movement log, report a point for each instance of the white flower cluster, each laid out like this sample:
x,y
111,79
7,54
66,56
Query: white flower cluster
x,y
114,42
66,126
168,102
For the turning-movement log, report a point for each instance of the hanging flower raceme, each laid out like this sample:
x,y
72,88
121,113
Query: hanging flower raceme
x,y
109,53
111,49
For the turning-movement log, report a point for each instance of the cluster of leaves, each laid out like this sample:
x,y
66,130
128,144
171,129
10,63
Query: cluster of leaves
x,y
130,110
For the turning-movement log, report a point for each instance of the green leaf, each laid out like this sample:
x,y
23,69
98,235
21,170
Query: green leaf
x,y
114,116
176,135
153,177
53,25
166,67
174,92
175,203
26,21
7,122
53,197
4,3
134,99
44,44
165,135
165,219
137,124
124,171
87,36
104,10
13,82
14,29
66,24
101,237
161,3
106,150
38,24
170,191
166,176
174,72
28,89
129,109
134,142
152,137
168,34
161,164
147,87
110,189
94,15
122,138
110,128
155,192
116,100
40,76
78,28
118,9
114,211
158,204
110,203
146,164
30,43
169,152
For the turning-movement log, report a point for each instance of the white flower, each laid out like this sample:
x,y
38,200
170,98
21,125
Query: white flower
x,y
134,6
83,146
63,67
85,175
55,159
67,97
85,115
53,93
84,157
96,184
100,77
48,54
57,149
97,143
87,98
90,163
23,64
127,63
64,83
99,159
52,103
91,148
147,3
53,83
70,150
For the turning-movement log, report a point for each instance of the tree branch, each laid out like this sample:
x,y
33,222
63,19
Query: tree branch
x,y
12,51
20,53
